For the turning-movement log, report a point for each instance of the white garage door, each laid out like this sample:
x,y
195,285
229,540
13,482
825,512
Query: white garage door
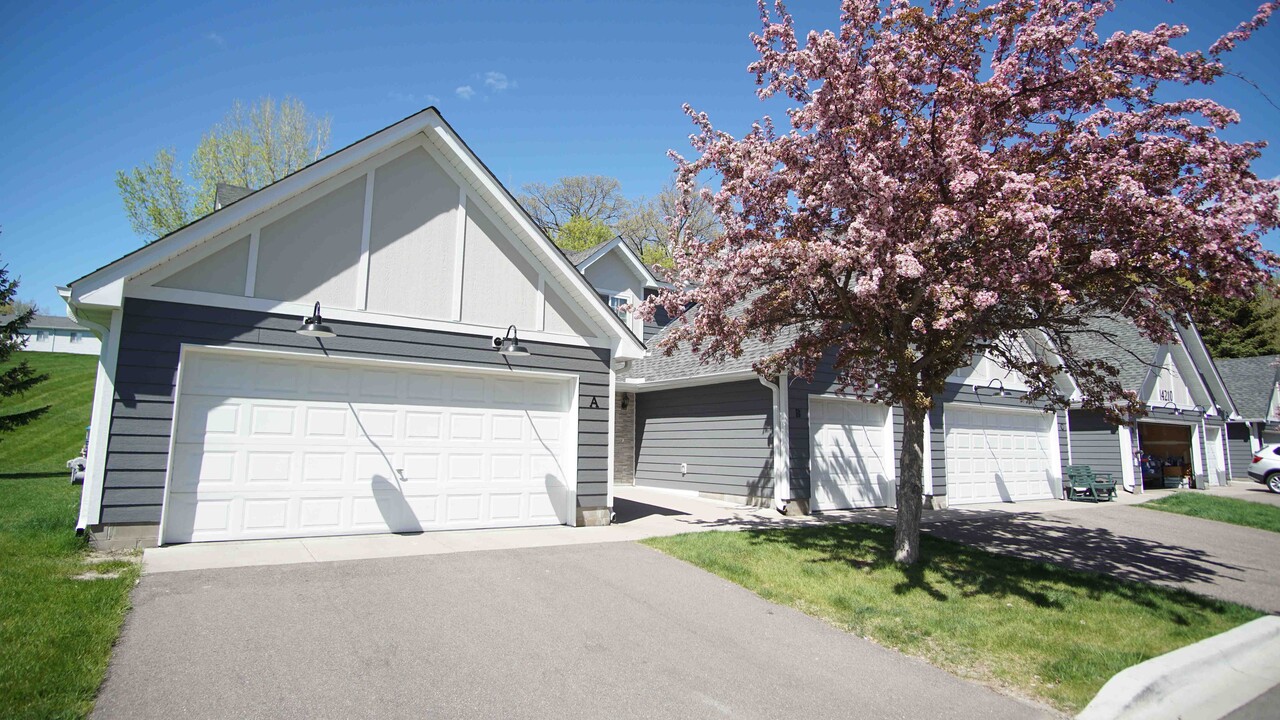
x,y
1000,455
851,454
272,447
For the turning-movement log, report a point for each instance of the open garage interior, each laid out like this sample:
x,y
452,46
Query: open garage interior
x,y
1000,455
1166,454
851,454
268,447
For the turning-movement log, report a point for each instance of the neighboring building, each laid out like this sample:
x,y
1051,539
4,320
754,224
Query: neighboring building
x,y
50,333
1187,405
215,418
1254,384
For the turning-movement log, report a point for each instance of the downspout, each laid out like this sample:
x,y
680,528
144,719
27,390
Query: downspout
x,y
781,442
88,487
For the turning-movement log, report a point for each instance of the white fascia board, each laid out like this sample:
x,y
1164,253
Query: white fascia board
x,y
1201,359
640,385
218,222
629,346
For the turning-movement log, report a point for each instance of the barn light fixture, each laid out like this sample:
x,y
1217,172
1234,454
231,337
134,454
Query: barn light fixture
x,y
510,345
1201,409
1176,410
314,326
1003,392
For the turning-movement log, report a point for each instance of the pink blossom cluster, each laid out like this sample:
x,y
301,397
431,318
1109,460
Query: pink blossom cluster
x,y
964,172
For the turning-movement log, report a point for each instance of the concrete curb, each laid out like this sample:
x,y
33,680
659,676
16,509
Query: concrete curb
x,y
1208,679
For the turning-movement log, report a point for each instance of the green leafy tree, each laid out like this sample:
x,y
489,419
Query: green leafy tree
x,y
253,146
18,378
580,233
593,198
1243,327
652,222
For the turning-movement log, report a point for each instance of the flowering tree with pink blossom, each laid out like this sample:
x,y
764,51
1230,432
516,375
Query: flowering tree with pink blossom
x,y
964,178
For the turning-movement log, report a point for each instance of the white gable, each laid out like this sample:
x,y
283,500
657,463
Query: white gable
x,y
614,274
1169,386
399,237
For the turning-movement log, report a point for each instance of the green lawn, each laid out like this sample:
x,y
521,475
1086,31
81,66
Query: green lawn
x,y
1227,510
1034,629
44,446
56,631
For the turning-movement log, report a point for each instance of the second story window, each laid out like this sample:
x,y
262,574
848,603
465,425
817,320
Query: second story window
x,y
616,302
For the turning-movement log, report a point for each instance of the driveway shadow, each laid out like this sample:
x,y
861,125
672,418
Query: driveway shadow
x,y
625,511
1088,548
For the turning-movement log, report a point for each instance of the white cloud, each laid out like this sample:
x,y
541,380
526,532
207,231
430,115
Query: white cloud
x,y
216,39
466,92
404,97
497,81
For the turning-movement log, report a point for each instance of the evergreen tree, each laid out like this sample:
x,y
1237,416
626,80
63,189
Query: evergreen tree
x,y
17,379
1243,328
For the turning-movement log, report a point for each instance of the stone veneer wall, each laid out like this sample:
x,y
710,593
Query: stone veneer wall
x,y
624,439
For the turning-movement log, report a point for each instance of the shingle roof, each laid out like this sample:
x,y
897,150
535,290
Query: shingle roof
x,y
684,363
1250,381
51,322
225,193
1117,341
577,256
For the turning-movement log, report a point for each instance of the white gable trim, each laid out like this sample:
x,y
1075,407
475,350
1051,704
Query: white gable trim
x,y
627,252
104,287
1196,388
1201,358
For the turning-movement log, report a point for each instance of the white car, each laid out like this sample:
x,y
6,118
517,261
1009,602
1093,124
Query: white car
x,y
1265,467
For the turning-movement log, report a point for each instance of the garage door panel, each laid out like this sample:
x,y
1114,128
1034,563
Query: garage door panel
x,y
999,455
849,462
340,449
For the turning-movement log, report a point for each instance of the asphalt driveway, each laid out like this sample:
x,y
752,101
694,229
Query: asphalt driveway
x,y
1211,558
606,630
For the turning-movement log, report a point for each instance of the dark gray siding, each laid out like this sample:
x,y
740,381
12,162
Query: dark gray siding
x,y
723,432
981,397
153,332
659,321
1096,443
824,383
1239,449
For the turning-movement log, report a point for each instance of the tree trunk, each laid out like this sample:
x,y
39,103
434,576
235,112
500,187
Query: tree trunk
x,y
906,534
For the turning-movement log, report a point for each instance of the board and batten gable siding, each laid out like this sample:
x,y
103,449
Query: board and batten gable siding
x,y
1239,449
152,335
983,397
1096,442
722,432
799,392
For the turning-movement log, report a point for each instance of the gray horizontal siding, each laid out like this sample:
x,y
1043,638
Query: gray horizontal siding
x,y
152,334
723,432
1239,449
966,394
1096,442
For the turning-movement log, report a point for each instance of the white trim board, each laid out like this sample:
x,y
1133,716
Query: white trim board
x,y
317,178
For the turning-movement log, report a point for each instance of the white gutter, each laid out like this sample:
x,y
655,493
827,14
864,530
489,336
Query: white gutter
x,y
640,385
781,442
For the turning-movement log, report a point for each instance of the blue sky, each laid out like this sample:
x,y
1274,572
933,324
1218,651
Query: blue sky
x,y
573,88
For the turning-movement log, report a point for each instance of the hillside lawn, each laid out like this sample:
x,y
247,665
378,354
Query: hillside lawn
x,y
61,607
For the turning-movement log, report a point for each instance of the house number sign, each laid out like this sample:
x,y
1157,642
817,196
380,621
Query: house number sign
x,y
1166,396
